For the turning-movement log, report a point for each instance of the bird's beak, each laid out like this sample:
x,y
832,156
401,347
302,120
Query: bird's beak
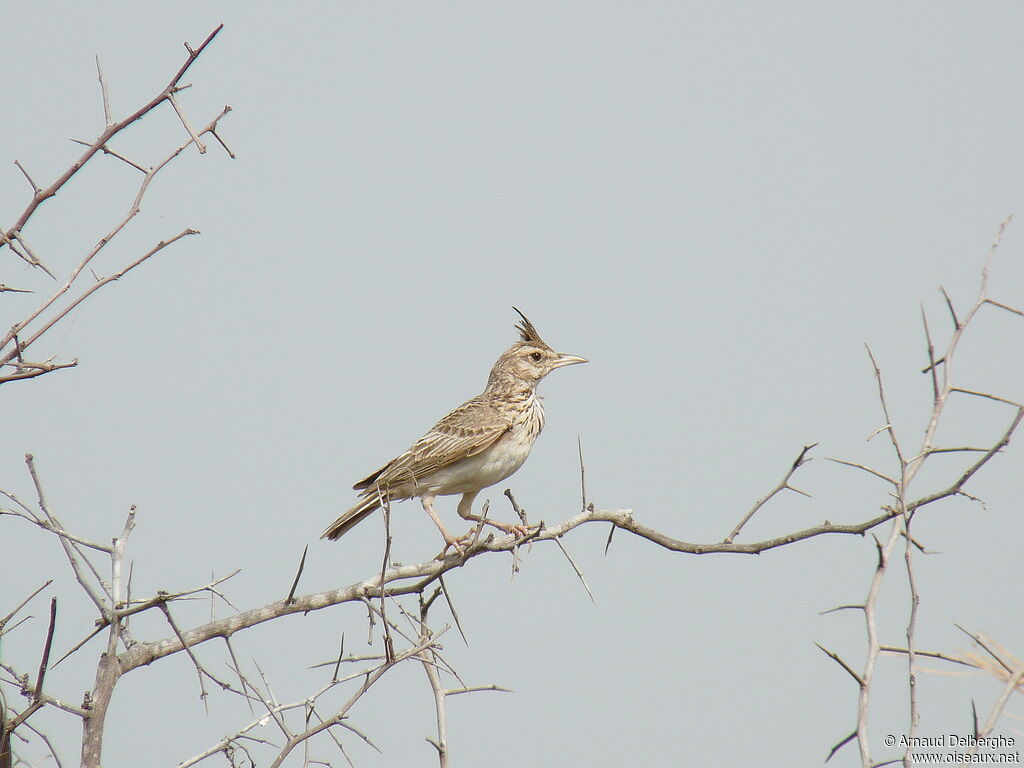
x,y
568,360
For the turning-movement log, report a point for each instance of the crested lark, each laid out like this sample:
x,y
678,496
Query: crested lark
x,y
480,443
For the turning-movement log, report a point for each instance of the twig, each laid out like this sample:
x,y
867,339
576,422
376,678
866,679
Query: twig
x,y
985,395
426,656
104,281
389,643
221,141
583,474
133,211
869,470
33,259
981,642
341,653
931,356
885,408
28,370
105,91
1014,680
22,604
838,660
70,546
184,121
298,574
783,485
45,661
113,129
336,719
108,151
608,542
451,608
952,311
195,662
242,681
35,187
915,601
576,568
871,628
929,654
842,743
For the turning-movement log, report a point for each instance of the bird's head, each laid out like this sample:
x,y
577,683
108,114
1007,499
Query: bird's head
x,y
527,361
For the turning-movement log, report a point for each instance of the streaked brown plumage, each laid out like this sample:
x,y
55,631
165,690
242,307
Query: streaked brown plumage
x,y
480,443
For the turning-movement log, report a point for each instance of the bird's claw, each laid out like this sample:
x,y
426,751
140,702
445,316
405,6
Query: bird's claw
x,y
453,543
520,531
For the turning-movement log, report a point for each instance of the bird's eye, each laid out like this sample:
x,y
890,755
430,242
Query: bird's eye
x,y
535,357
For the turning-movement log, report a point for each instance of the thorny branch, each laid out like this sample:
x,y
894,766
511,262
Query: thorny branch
x,y
105,592
903,510
112,599
16,341
123,654
783,485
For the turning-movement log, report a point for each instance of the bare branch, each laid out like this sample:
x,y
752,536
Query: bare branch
x,y
35,187
842,743
184,121
838,660
298,575
1012,683
869,470
110,131
952,311
45,661
426,656
800,460
105,91
929,654
451,608
915,601
99,145
22,604
108,151
336,719
885,408
1008,308
74,555
28,370
576,568
985,395
220,140
583,474
981,641
105,281
931,356
996,242
396,577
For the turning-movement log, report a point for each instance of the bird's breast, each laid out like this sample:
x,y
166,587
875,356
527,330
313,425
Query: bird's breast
x,y
497,461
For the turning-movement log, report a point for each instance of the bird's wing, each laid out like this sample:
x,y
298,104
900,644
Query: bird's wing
x,y
471,428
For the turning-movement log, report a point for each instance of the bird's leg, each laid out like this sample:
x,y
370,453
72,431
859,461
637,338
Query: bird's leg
x,y
466,506
466,513
427,500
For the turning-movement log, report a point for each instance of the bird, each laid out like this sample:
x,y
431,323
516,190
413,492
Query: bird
x,y
480,443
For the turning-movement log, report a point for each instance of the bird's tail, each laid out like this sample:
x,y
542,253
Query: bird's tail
x,y
354,516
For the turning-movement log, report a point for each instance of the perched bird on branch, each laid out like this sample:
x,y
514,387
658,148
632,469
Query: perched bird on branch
x,y
480,443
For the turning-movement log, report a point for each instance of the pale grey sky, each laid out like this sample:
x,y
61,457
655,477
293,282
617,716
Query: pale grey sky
x,y
717,203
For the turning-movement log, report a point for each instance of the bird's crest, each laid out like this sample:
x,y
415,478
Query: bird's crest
x,y
527,331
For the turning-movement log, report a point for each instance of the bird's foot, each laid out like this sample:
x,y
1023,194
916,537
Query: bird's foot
x,y
520,531
458,544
